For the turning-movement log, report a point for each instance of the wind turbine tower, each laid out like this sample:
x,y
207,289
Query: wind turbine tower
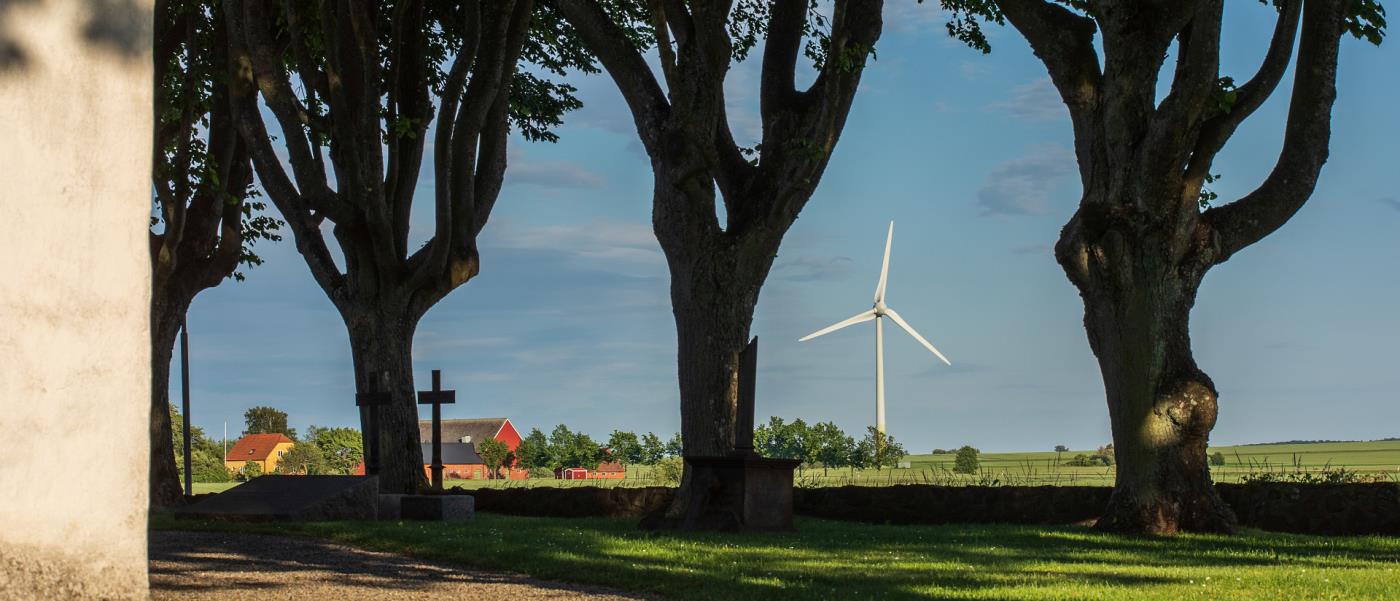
x,y
879,313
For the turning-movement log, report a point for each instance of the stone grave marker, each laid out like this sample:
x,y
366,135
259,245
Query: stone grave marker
x,y
299,498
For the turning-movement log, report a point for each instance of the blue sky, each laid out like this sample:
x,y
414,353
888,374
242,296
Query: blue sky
x,y
570,322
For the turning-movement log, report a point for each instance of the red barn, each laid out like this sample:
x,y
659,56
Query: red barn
x,y
460,460
459,439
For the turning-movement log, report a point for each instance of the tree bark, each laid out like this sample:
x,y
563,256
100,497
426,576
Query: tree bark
x,y
165,488
1139,244
1162,407
381,343
717,271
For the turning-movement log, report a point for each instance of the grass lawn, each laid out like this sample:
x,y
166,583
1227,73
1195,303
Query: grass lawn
x,y
828,559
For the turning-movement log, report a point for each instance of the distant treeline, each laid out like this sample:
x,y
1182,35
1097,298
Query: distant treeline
x,y
1260,444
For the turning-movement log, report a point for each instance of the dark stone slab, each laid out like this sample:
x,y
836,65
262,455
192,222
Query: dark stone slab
x,y
299,498
573,502
437,508
389,506
736,493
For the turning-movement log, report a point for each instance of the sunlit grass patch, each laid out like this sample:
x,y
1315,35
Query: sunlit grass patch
x,y
827,559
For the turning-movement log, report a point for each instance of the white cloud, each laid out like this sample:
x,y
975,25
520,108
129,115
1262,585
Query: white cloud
x,y
912,16
1022,186
810,268
1037,100
553,174
550,174
631,243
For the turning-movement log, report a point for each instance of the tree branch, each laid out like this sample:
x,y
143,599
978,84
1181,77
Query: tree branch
x,y
777,90
1248,97
624,64
1305,141
1171,133
304,224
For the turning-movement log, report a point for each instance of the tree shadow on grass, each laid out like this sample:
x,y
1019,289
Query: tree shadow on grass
x,y
825,558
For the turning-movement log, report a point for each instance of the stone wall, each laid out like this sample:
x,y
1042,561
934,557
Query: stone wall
x,y
75,119
1316,508
1302,508
573,502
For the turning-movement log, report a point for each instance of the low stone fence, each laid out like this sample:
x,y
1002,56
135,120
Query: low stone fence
x,y
927,504
1302,508
1316,508
574,502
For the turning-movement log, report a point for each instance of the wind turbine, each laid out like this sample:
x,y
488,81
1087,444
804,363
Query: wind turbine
x,y
878,313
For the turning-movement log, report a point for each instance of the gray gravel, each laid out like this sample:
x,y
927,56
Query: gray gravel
x,y
221,565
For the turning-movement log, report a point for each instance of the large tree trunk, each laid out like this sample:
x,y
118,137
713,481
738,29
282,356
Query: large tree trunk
x,y
381,342
1162,407
716,277
165,478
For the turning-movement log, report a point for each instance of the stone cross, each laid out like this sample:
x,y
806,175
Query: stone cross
x,y
370,401
743,418
437,397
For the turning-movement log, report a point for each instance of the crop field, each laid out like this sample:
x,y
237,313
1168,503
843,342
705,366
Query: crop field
x,y
1365,461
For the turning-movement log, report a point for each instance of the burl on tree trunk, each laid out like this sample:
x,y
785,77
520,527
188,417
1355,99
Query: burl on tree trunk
x,y
1161,406
1142,238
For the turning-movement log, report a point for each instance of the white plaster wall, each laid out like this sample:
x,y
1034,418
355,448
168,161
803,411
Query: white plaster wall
x,y
75,120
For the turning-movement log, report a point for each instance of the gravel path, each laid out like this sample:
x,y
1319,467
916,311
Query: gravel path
x,y
221,565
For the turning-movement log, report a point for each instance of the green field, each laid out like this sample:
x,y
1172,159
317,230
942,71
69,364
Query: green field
x,y
826,559
1370,460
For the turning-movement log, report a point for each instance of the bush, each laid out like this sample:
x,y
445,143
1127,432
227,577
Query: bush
x,y
208,468
669,471
1101,459
304,459
1217,459
941,451
1080,460
966,461
251,469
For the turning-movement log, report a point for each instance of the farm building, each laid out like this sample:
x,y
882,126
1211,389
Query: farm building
x,y
460,460
605,471
264,449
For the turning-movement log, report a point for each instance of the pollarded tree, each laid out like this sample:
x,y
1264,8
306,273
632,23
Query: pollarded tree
x,y
205,218
351,86
718,269
1142,238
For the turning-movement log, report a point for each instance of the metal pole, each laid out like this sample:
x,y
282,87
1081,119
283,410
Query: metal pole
x,y
185,401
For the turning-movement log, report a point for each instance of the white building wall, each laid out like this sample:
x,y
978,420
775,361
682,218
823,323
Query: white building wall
x,y
75,119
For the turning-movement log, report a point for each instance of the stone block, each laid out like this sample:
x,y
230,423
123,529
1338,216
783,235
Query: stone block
x,y
389,506
437,508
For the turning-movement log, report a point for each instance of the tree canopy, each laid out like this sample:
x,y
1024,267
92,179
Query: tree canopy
x,y
267,420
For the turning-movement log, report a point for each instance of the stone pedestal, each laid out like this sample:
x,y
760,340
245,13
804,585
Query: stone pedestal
x,y
737,493
437,508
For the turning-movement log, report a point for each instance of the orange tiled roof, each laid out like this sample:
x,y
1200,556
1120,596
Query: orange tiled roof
x,y
256,447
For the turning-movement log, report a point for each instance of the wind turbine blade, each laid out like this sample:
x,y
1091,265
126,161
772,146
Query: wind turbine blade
x,y
885,267
855,319
900,321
